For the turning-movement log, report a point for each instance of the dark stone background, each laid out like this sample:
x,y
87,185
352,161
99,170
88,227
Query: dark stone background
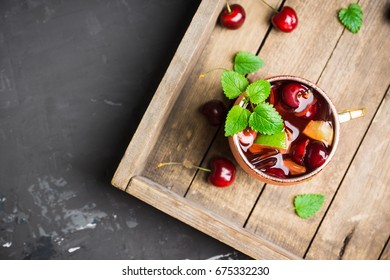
x,y
75,80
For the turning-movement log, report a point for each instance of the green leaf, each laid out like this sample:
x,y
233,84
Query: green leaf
x,y
306,205
258,91
233,83
351,17
246,62
265,119
236,120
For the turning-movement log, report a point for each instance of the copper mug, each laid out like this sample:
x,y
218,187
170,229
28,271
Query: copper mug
x,y
336,118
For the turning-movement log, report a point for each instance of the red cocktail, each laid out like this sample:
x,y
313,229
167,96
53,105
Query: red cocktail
x,y
307,142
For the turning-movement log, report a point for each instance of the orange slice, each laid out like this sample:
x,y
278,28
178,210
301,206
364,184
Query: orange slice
x,y
295,168
319,130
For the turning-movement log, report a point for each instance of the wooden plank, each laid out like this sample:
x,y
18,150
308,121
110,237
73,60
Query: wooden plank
x,y
186,134
357,226
237,201
234,202
169,89
204,220
386,252
305,51
358,67
227,202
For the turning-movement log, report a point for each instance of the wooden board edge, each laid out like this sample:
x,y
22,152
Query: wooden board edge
x,y
209,223
167,92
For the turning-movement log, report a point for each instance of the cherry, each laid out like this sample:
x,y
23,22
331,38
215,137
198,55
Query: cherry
x,y
292,93
299,150
286,20
247,136
316,154
232,16
223,172
276,172
215,111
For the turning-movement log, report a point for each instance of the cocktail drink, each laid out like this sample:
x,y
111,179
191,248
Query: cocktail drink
x,y
305,145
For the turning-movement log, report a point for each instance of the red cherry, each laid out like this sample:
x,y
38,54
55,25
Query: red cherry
x,y
286,20
299,150
223,172
276,172
232,16
247,136
292,93
316,155
215,111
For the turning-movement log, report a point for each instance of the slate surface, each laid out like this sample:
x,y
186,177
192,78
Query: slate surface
x,y
75,79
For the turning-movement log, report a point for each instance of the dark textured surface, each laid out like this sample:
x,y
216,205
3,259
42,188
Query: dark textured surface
x,y
75,79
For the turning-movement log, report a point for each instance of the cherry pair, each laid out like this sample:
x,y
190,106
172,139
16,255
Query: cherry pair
x,y
233,17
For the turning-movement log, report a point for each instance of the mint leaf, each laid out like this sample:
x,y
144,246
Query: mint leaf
x,y
265,119
306,205
258,91
233,83
246,62
237,120
351,17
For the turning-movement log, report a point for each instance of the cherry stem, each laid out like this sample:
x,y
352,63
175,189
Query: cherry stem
x,y
211,70
275,10
161,164
228,7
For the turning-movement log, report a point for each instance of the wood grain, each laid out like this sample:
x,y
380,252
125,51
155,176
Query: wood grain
x,y
235,202
204,220
386,252
305,51
228,202
186,134
352,71
357,226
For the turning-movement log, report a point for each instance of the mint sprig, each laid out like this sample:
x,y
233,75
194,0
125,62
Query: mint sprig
x,y
263,118
351,17
306,205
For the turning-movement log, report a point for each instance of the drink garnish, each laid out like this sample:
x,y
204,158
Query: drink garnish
x,y
259,115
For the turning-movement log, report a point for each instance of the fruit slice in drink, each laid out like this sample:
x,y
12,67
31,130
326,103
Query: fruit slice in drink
x,y
319,130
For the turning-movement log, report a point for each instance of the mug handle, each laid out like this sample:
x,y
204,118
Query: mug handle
x,y
348,115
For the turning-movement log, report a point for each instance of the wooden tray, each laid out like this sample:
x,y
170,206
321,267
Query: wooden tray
x,y
258,219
